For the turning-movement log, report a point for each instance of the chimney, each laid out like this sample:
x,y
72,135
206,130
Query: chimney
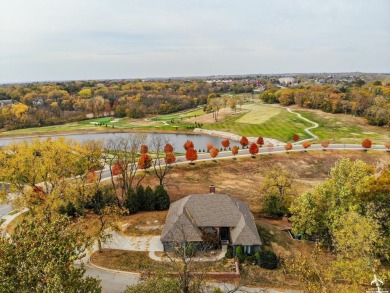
x,y
212,188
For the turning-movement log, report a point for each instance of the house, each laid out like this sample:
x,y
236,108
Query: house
x,y
197,217
4,103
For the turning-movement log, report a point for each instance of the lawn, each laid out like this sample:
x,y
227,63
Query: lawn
x,y
343,128
139,261
276,123
179,115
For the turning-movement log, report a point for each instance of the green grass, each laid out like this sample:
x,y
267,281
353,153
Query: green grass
x,y
281,126
179,115
259,114
342,128
2,221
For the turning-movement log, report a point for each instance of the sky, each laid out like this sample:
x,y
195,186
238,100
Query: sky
x,y
43,40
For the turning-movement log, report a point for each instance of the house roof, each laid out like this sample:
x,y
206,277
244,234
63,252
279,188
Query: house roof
x,y
186,216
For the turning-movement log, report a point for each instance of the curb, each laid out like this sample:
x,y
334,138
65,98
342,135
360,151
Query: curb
x,y
90,264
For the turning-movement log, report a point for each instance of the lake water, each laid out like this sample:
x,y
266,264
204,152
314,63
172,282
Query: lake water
x,y
177,140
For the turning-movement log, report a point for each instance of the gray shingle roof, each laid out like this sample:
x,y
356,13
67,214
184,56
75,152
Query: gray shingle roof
x,y
185,216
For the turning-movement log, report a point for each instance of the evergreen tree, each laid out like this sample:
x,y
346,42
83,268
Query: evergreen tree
x,y
162,198
131,201
150,199
141,197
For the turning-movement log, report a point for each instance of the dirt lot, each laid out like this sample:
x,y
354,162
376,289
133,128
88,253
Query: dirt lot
x,y
242,178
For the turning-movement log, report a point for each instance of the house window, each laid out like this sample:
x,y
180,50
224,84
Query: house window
x,y
247,249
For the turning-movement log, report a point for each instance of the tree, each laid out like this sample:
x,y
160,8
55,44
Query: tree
x,y
209,146
149,201
168,148
235,151
366,143
225,143
306,144
288,146
39,257
169,159
253,149
214,152
188,145
162,198
123,150
244,141
144,149
131,202
191,155
325,144
144,161
260,141
295,137
387,145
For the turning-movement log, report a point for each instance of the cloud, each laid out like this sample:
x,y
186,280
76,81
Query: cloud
x,y
56,40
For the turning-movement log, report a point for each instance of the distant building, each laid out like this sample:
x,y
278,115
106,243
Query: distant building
x,y
4,103
286,80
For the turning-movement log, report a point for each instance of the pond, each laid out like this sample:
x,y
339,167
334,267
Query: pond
x,y
177,140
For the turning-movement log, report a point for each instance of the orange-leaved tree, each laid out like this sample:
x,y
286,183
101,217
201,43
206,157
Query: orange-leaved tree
x,y
188,145
145,161
144,149
209,146
253,149
244,141
366,143
260,141
387,145
118,168
169,158
191,155
325,144
306,144
214,152
225,143
168,148
235,150
295,137
288,146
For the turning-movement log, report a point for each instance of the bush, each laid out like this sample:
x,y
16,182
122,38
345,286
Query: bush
x,y
162,198
240,254
131,202
101,199
229,252
268,260
69,210
149,200
141,197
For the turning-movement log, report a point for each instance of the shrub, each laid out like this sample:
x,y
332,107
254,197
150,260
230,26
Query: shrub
x,y
273,205
268,260
131,202
229,252
69,210
149,200
140,197
240,254
162,198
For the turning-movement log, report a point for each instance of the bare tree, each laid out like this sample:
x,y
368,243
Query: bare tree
x,y
161,165
120,154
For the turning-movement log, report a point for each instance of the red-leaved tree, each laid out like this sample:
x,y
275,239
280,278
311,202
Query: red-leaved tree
x,y
366,143
295,137
214,152
288,146
169,158
325,144
168,148
260,141
235,150
145,161
188,145
225,143
191,155
387,145
306,144
144,149
244,141
118,168
209,146
254,149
